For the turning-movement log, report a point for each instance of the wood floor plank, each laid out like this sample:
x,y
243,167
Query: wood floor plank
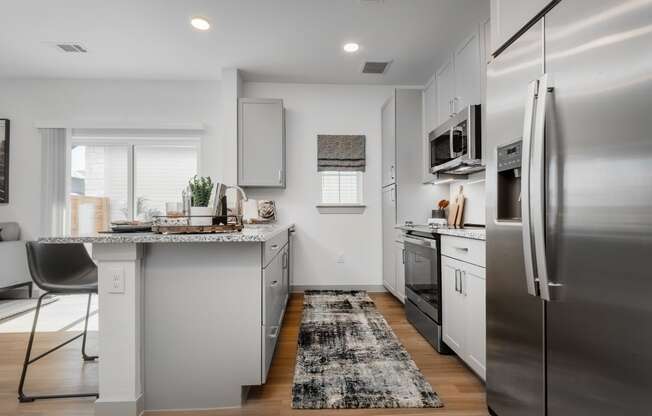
x,y
461,391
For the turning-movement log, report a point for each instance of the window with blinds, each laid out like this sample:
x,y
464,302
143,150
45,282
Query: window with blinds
x,y
344,187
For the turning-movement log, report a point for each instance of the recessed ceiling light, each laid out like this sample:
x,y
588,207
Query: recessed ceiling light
x,y
351,47
200,23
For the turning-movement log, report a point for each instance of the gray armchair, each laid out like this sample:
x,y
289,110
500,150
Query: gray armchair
x,y
14,272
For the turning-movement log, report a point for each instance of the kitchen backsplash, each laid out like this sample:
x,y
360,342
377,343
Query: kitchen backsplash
x,y
474,192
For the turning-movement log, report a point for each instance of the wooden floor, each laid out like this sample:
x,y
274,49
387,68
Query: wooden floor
x,y
461,391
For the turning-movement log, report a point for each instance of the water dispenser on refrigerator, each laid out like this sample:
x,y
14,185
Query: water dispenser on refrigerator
x,y
509,181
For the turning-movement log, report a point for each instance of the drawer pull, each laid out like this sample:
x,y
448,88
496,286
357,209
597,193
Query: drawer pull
x,y
274,246
274,332
466,249
274,283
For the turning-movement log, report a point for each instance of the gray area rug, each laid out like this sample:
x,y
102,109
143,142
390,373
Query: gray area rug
x,y
14,307
349,358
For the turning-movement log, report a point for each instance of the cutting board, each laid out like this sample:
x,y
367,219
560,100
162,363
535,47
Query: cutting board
x,y
452,212
460,211
456,208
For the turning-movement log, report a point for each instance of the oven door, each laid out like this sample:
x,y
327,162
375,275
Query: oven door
x,y
422,276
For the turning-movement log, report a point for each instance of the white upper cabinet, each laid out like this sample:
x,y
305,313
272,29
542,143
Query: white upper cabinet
x,y
509,16
430,122
430,107
445,79
388,134
458,80
467,74
261,142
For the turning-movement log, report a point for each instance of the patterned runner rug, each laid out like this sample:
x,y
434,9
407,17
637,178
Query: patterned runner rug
x,y
349,358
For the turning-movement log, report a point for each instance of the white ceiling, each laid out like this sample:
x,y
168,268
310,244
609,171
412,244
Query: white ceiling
x,y
270,40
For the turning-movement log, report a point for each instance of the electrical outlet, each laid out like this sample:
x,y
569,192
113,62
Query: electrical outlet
x,y
340,259
117,280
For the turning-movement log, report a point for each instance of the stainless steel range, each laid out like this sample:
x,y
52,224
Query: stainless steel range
x,y
423,284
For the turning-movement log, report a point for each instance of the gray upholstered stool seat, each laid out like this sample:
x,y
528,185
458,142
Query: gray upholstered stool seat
x,y
62,268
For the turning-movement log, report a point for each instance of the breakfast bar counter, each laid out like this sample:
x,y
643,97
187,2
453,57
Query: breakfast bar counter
x,y
186,321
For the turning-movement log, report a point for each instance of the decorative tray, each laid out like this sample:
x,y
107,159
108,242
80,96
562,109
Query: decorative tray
x,y
197,229
184,225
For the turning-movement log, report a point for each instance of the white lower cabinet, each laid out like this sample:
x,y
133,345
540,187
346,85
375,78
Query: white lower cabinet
x,y
453,306
464,313
275,297
399,260
474,290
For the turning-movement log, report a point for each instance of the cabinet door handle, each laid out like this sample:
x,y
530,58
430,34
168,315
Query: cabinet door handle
x,y
285,260
274,283
280,176
463,282
403,255
274,332
457,281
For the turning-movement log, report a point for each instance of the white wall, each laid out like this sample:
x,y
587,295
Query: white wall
x,y
321,238
149,103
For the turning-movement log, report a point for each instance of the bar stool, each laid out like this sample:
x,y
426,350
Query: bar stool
x,y
64,269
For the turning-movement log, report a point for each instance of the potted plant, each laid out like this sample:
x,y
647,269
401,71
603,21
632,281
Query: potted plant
x,y
200,195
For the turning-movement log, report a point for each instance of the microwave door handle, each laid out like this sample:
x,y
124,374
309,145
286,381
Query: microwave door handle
x,y
528,254
450,136
537,191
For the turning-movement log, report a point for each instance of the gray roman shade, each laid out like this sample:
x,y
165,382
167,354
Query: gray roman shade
x,y
340,153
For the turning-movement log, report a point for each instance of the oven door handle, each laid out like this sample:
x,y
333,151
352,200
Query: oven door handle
x,y
418,241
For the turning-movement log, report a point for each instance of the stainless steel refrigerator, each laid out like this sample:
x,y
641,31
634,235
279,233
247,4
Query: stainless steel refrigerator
x,y
569,213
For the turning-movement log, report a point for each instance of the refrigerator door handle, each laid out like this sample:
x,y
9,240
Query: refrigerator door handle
x,y
528,253
538,185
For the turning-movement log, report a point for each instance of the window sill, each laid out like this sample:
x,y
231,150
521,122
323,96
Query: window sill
x,y
341,208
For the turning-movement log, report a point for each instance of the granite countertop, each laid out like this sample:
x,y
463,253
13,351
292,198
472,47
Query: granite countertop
x,y
475,233
250,234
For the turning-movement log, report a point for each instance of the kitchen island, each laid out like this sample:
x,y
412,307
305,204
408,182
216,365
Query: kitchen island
x,y
186,321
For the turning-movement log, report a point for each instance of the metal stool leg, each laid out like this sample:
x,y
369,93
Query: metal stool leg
x,y
88,309
21,395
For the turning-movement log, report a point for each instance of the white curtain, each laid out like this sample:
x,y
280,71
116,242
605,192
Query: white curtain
x,y
55,165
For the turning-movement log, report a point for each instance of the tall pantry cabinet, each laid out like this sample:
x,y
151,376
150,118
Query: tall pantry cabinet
x,y
401,179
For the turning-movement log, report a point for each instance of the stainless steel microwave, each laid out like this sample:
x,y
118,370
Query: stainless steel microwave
x,y
455,146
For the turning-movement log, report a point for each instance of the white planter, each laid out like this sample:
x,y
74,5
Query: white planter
x,y
207,220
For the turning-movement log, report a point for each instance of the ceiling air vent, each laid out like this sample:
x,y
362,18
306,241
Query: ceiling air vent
x,y
375,67
71,47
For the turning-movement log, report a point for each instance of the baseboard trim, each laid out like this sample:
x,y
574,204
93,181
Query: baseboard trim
x,y
368,288
116,408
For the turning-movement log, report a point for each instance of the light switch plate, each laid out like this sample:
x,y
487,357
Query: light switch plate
x,y
117,283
